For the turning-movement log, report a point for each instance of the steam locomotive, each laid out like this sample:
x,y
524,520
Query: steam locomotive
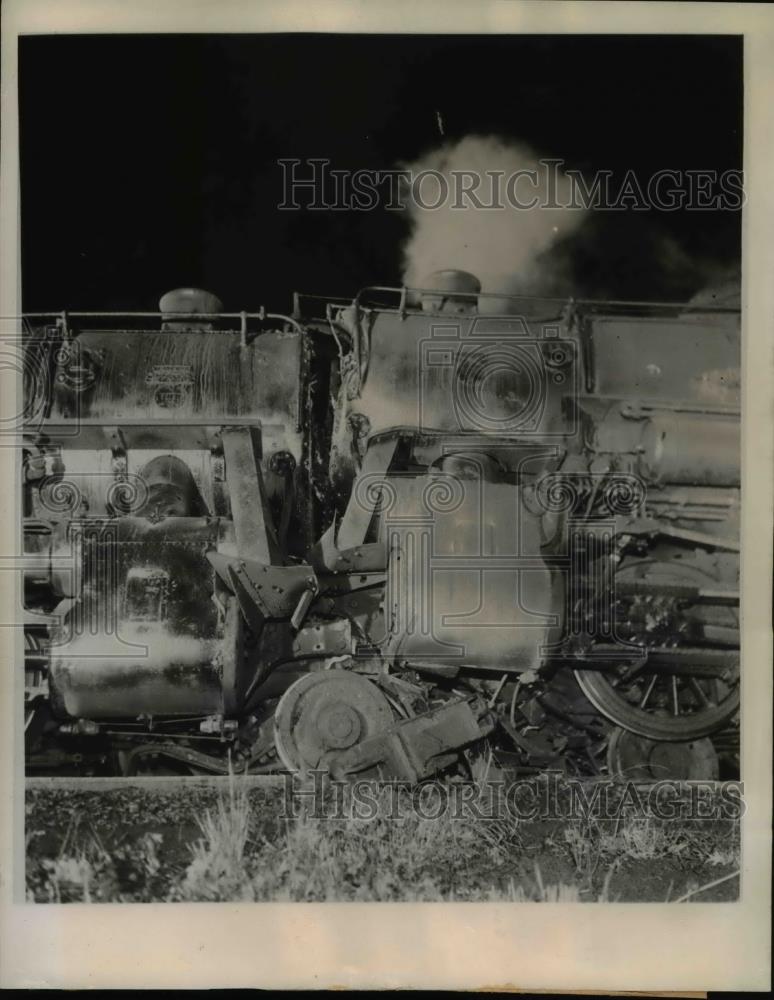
x,y
419,534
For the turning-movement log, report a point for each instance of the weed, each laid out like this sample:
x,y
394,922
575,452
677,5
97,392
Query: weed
x,y
243,850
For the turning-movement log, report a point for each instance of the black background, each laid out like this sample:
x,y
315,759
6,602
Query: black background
x,y
150,162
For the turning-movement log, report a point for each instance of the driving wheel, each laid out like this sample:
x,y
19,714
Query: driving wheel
x,y
635,758
669,693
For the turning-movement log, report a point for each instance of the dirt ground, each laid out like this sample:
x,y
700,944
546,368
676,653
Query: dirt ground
x,y
200,843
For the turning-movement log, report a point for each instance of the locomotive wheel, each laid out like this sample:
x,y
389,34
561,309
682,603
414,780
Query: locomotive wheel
x,y
325,712
661,706
634,758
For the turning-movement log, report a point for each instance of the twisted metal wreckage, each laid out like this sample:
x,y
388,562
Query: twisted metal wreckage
x,y
393,537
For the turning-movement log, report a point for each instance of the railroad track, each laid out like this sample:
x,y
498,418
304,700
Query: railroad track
x,y
167,783
161,783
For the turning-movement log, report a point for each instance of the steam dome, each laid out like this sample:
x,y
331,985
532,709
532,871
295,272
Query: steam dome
x,y
188,300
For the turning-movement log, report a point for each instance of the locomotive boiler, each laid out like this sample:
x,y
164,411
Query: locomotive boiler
x,y
422,533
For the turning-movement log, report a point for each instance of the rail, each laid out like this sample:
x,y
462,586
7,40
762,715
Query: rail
x,y
186,783
66,319
406,293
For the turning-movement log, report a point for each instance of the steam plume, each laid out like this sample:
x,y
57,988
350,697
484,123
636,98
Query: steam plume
x,y
725,289
501,246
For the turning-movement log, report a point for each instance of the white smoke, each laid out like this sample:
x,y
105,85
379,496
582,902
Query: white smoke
x,y
501,246
724,289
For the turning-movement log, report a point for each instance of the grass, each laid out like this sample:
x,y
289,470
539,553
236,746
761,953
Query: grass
x,y
240,849
318,858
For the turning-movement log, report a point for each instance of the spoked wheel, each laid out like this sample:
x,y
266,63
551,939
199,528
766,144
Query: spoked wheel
x,y
671,693
634,758
660,705
325,712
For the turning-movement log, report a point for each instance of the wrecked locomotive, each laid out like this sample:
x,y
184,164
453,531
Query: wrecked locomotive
x,y
420,533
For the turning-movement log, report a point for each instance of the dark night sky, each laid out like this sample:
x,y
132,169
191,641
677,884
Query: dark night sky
x,y
149,162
